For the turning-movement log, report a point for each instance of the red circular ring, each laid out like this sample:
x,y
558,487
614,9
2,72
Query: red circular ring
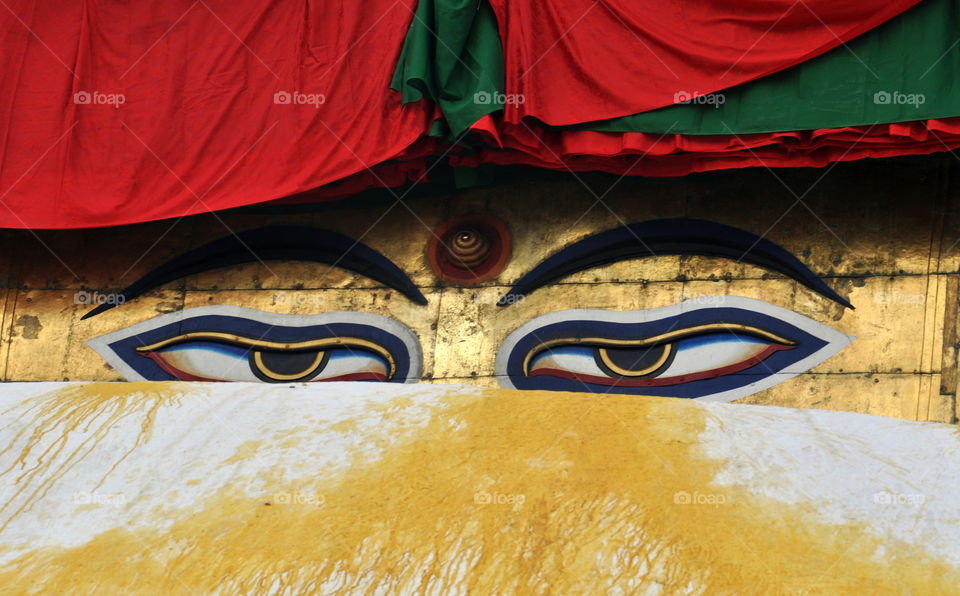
x,y
496,235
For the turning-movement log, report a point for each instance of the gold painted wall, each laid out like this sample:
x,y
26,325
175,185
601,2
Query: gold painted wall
x,y
884,235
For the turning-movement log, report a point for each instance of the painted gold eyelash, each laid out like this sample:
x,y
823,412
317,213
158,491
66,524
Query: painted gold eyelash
x,y
313,344
663,337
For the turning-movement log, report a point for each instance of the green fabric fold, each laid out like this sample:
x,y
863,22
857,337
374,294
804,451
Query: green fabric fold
x,y
903,70
453,56
914,55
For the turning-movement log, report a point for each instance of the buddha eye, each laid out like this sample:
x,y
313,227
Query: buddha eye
x,y
213,356
223,343
725,350
701,352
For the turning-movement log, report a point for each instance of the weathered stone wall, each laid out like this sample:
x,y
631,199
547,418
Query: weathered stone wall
x,y
885,235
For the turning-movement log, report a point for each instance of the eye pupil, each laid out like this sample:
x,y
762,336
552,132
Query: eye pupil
x,y
634,362
287,365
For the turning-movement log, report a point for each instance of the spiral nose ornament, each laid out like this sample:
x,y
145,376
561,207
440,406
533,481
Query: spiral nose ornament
x,y
467,248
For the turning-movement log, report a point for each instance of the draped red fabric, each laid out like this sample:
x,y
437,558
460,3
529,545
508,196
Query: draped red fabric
x,y
410,166
114,112
572,61
642,154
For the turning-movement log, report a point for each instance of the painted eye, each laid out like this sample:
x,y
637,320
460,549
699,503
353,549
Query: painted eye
x,y
725,350
205,356
226,343
703,352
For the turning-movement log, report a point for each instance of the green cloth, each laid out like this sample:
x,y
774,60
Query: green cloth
x,y
915,54
452,56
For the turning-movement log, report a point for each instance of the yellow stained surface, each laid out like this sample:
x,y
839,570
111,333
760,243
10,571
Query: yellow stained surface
x,y
500,492
50,425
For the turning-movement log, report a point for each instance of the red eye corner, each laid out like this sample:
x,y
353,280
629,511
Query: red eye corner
x,y
469,249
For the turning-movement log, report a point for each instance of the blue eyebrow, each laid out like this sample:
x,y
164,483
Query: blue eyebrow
x,y
271,244
660,237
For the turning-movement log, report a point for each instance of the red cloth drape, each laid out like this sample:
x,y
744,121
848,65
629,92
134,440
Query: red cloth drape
x,y
115,112
199,128
642,154
578,61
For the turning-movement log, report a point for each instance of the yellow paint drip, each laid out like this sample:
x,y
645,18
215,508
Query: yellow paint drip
x,y
48,423
504,492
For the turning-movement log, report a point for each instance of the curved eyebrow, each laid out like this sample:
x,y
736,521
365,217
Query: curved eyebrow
x,y
271,244
679,236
